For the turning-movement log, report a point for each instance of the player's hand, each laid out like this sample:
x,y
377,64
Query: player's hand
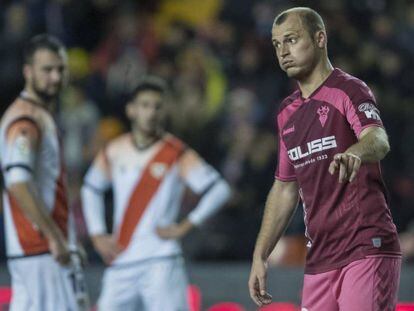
x,y
407,244
257,283
83,255
175,231
59,249
107,246
348,165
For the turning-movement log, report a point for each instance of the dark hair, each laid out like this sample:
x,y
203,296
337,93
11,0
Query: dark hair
x,y
42,41
149,83
311,19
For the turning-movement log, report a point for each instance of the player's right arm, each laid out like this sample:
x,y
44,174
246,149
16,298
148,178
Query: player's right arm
x,y
22,139
281,203
98,180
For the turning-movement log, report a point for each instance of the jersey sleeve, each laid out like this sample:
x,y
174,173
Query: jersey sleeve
x,y
22,139
97,180
362,110
284,169
205,180
98,177
196,173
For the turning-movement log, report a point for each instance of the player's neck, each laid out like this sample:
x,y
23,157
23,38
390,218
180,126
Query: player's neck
x,y
33,97
315,79
144,140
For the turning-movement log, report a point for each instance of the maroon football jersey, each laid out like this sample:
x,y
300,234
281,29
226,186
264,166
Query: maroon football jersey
x,y
344,221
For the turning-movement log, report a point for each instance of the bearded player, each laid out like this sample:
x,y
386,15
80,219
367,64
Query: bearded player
x,y
39,230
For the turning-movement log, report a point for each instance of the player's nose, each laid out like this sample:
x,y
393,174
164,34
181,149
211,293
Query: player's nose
x,y
56,76
284,50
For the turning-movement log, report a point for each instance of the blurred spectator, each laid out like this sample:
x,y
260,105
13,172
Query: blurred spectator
x,y
79,120
123,56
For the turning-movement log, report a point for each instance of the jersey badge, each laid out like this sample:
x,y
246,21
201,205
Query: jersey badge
x,y
158,170
323,114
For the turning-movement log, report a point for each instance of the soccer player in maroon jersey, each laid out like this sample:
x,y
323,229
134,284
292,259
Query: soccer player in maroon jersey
x,y
331,140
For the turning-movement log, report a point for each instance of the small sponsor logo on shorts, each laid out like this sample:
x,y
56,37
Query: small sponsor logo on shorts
x,y
376,242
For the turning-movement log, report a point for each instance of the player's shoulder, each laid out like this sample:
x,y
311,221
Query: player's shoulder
x,y
289,100
174,142
119,142
349,84
21,112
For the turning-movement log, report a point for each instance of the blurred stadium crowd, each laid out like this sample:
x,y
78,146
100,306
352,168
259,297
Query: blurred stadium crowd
x,y
225,86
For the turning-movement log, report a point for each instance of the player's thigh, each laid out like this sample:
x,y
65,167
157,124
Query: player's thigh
x,y
318,293
57,289
20,300
44,283
371,284
167,289
120,289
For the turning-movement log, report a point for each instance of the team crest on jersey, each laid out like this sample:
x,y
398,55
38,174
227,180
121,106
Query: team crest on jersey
x,y
323,114
158,170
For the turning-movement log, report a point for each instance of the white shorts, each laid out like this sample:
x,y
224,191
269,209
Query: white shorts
x,y
39,283
153,285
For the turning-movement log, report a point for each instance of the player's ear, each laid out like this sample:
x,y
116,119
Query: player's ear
x,y
27,71
321,39
129,110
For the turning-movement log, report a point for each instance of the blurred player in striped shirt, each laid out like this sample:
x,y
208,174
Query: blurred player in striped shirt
x,y
148,170
39,229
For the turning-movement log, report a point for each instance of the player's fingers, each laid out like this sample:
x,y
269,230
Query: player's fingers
x,y
262,285
63,258
163,232
105,255
266,298
108,260
253,290
355,169
333,166
116,248
256,300
350,166
342,172
110,255
114,253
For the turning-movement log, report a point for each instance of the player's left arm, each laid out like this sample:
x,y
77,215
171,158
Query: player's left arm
x,y
372,146
205,181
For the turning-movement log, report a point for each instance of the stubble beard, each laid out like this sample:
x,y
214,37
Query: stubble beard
x,y
44,95
149,131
